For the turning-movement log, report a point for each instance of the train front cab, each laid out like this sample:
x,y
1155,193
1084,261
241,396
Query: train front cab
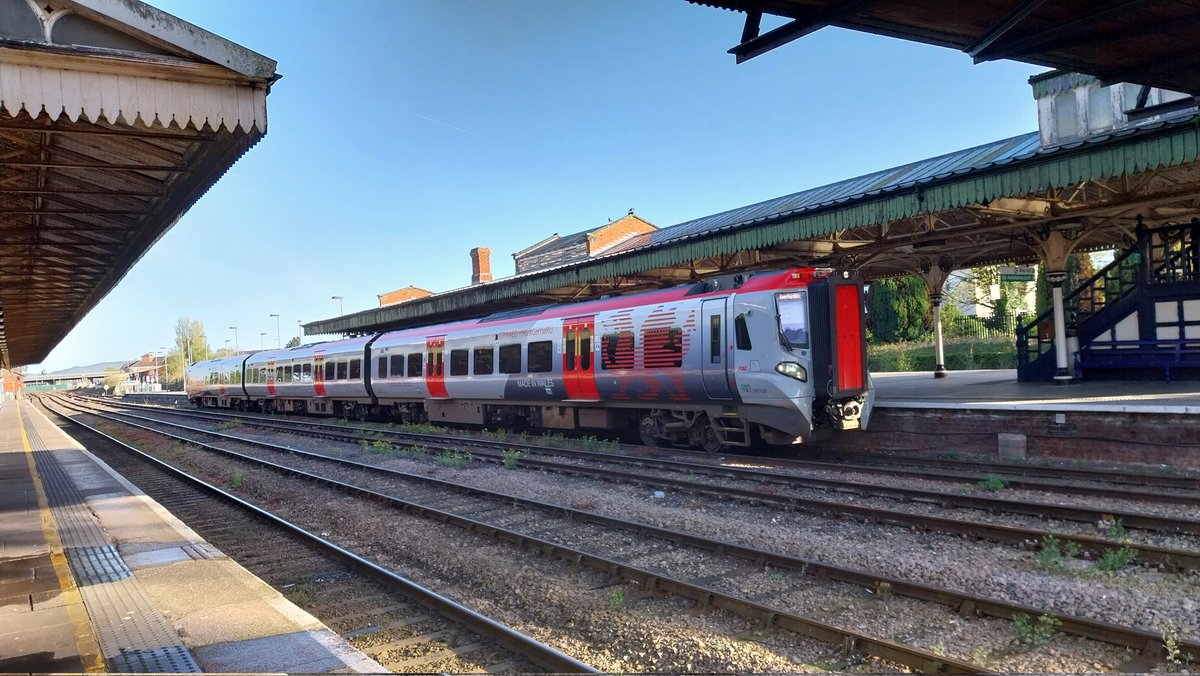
x,y
800,359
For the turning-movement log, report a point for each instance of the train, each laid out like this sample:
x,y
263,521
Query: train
x,y
777,357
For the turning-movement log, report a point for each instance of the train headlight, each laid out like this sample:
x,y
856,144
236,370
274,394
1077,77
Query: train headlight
x,y
792,370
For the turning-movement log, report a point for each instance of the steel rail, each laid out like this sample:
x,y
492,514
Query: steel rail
x,y
964,603
1041,510
650,581
538,653
1168,558
868,460
1023,469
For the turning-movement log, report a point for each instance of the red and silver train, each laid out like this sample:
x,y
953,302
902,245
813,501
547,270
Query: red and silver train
x,y
777,356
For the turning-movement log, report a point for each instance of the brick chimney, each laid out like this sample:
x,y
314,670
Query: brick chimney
x,y
481,265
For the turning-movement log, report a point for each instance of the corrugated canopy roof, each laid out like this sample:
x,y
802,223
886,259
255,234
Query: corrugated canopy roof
x,y
115,118
1151,43
977,204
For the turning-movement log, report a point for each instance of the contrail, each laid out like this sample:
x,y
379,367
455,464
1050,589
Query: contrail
x,y
458,129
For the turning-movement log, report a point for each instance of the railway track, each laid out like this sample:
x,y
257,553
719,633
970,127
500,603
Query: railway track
x,y
1090,546
559,518
650,581
402,625
1101,483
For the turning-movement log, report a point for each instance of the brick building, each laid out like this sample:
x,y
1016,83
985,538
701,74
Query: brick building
x,y
402,295
556,250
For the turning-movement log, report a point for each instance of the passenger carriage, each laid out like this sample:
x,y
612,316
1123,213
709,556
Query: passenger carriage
x,y
774,355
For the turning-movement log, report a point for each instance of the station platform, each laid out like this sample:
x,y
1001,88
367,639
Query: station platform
x,y
999,390
1123,422
98,577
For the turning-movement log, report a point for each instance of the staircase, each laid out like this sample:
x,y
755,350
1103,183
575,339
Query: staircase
x,y
1146,303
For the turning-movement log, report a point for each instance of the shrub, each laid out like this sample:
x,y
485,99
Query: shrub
x,y
994,482
1029,634
1116,559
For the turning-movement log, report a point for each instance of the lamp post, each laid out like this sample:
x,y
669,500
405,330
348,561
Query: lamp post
x,y
236,348
227,347
163,376
299,331
278,341
261,346
339,300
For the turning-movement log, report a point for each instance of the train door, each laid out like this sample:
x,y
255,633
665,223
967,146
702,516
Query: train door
x,y
714,359
579,357
435,375
319,374
271,377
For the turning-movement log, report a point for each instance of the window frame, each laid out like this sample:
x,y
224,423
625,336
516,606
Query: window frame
x,y
460,362
506,363
544,356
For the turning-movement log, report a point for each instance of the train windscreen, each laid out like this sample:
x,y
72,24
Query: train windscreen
x,y
793,319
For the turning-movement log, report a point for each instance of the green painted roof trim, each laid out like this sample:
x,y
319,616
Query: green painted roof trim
x,y
1139,151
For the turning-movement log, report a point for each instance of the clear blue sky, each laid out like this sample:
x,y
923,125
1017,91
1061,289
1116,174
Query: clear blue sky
x,y
405,133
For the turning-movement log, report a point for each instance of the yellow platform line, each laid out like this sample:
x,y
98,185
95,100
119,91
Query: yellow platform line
x,y
85,638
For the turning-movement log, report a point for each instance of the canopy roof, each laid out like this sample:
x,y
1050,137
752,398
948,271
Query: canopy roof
x,y
984,205
1150,43
115,118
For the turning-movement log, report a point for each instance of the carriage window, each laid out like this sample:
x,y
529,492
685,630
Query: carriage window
x,y
793,319
585,349
484,361
742,332
262,375
541,357
341,370
459,362
355,369
569,350
279,374
330,370
510,358
381,369
398,366
287,373
306,373
414,365
662,348
616,350
715,339
439,367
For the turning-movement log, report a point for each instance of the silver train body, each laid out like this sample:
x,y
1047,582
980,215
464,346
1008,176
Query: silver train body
x,y
779,356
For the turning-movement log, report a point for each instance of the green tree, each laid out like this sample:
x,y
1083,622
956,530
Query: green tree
x,y
190,346
899,309
294,341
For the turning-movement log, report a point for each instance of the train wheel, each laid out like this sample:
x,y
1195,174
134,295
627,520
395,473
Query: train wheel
x,y
710,440
648,430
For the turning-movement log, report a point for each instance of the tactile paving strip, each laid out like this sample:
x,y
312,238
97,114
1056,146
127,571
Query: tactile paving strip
x,y
134,637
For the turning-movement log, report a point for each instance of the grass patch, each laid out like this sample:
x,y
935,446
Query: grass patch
x,y
453,459
1052,556
994,482
229,424
1116,559
961,354
510,457
1029,633
237,478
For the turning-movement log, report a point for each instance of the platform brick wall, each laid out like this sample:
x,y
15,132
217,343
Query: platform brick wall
x,y
401,295
1146,438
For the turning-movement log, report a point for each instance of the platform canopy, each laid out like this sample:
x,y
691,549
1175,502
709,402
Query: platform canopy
x,y
991,204
115,118
1149,42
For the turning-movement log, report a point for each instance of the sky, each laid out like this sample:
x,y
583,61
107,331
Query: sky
x,y
403,133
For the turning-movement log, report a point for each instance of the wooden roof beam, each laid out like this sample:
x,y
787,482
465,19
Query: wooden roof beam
x,y
793,30
1016,16
1007,49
